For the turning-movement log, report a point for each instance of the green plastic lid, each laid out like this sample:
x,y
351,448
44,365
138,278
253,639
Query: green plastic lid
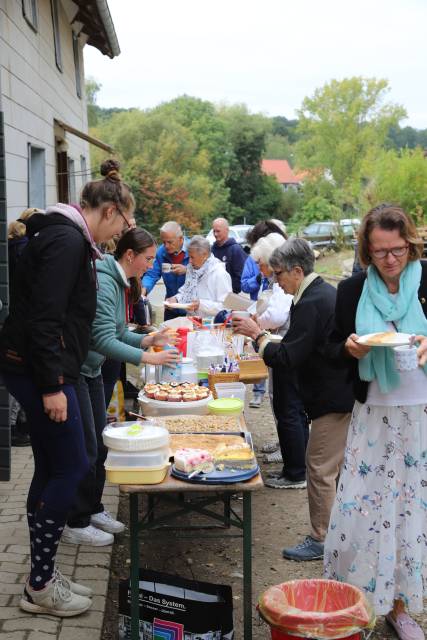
x,y
225,406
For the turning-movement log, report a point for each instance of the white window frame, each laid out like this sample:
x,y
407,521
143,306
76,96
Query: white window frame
x,y
32,202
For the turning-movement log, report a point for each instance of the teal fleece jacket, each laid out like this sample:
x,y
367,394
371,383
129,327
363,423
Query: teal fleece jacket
x,y
110,337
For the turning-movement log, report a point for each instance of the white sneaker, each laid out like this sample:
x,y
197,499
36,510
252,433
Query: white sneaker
x,y
86,535
106,522
74,587
55,600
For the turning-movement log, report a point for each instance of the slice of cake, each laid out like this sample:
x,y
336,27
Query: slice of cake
x,y
193,460
234,456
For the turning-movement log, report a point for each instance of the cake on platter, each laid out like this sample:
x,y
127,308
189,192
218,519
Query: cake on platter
x,y
234,456
193,461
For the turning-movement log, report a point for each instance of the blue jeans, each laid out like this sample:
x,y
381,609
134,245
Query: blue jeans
x,y
292,424
60,458
90,394
259,387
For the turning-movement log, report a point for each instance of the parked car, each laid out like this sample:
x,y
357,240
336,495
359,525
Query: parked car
x,y
238,232
325,234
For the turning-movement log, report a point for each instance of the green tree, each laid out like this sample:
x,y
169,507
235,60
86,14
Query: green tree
x,y
398,177
341,123
92,88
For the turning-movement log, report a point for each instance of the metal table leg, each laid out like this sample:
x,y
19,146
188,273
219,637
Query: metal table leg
x,y
134,566
247,566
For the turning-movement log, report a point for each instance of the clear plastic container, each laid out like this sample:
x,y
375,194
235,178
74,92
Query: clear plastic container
x,y
231,390
135,436
132,459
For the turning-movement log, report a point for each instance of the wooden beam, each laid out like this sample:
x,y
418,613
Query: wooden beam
x,y
84,136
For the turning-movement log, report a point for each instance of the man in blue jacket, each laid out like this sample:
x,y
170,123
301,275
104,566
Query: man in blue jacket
x,y
170,263
229,252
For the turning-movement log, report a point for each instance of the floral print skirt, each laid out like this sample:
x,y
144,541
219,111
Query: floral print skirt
x,y
377,537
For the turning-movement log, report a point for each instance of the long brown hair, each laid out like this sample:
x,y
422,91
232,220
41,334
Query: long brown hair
x,y
109,189
138,240
388,217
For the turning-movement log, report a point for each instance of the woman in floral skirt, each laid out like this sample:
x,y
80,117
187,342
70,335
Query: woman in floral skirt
x,y
377,538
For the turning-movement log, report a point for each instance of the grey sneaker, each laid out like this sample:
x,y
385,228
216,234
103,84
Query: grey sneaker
x,y
75,587
106,522
284,483
273,458
256,400
55,600
87,535
270,447
310,549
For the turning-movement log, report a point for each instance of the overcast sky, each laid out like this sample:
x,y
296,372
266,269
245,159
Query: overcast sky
x,y
268,54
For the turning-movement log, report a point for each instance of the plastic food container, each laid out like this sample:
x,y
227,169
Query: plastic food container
x,y
135,475
226,407
150,407
135,436
231,390
137,467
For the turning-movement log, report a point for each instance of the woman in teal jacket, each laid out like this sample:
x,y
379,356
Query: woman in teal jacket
x,y
119,279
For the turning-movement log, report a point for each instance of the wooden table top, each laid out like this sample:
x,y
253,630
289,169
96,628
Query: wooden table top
x,y
173,485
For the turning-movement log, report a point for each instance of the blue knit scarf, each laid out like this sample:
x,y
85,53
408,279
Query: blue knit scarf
x,y
376,308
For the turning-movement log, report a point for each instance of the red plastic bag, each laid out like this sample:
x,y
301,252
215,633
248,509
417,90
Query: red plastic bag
x,y
323,609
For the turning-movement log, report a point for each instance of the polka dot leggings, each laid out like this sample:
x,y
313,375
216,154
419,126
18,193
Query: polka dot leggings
x,y
45,534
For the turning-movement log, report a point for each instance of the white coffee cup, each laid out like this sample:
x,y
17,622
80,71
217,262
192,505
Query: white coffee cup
x,y
166,267
406,358
240,314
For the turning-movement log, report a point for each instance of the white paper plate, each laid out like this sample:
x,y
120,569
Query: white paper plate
x,y
385,339
176,305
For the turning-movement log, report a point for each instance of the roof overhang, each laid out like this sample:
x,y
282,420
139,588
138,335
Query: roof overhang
x,y
98,25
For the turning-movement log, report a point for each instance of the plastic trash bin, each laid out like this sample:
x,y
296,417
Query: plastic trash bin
x,y
320,609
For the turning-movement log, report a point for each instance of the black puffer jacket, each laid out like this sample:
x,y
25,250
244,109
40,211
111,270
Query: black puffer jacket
x,y
53,304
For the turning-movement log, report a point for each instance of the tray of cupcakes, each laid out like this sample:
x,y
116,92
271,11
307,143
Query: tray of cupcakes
x,y
173,397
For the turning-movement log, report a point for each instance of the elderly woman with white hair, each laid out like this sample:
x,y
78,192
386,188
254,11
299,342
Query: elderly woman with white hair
x,y
206,282
290,416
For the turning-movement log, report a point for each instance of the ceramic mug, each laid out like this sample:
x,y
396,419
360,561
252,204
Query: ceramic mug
x,y
406,358
240,314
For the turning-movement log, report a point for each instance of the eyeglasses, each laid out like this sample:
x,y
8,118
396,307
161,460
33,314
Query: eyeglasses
x,y
397,252
128,224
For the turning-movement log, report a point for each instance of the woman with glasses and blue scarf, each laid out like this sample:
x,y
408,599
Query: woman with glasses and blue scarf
x,y
377,538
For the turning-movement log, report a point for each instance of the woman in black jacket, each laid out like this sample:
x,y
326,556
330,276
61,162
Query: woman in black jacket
x,y
376,537
43,344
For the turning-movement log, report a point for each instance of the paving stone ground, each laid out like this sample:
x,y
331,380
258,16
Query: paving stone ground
x,y
90,565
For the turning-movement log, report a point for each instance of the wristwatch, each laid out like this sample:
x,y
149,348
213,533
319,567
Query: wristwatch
x,y
256,341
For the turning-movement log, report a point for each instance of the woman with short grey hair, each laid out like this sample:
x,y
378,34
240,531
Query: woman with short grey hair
x,y
325,392
206,283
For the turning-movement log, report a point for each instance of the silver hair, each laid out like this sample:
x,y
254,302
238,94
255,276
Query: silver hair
x,y
222,220
264,248
172,227
295,252
199,244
